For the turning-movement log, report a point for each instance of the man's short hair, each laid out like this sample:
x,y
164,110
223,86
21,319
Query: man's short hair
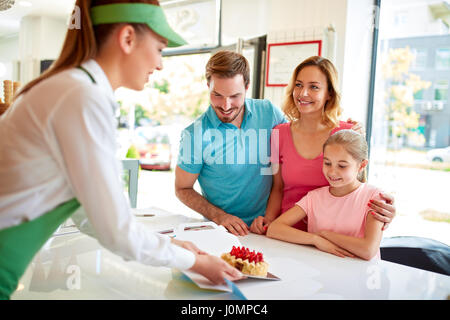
x,y
227,64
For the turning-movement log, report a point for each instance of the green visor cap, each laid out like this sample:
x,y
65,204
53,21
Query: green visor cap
x,y
150,14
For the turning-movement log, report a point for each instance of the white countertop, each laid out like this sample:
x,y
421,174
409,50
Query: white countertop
x,y
75,266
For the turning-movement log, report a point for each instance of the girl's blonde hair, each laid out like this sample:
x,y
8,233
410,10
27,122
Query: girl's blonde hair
x,y
332,109
82,44
355,144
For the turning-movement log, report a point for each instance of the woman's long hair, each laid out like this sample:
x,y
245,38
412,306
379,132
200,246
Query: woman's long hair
x,y
332,109
82,44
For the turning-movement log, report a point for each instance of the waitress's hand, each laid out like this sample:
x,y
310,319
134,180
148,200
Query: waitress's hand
x,y
259,225
357,126
188,246
215,269
383,211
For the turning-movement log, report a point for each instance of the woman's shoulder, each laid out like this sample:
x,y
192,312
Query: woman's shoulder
x,y
283,130
283,126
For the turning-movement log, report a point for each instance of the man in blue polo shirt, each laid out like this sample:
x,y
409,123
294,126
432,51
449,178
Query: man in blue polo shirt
x,y
228,148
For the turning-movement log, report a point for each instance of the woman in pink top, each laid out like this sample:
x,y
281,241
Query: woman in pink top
x,y
338,216
312,106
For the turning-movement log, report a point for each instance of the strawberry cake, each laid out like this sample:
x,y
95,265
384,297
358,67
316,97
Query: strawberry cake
x,y
246,261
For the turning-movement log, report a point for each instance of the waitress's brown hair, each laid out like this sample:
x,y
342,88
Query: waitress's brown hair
x,y
82,44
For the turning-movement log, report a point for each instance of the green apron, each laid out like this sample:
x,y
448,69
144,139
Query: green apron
x,y
19,244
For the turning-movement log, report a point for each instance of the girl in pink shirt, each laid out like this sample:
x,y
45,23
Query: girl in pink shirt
x,y
338,216
299,175
313,108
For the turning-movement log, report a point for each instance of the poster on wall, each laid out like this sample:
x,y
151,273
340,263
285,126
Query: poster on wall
x,y
282,58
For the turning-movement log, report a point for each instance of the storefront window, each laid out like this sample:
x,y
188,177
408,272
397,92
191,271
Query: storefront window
x,y
419,95
420,59
443,58
411,119
441,90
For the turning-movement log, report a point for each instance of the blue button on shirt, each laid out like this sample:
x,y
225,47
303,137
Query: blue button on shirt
x,y
233,163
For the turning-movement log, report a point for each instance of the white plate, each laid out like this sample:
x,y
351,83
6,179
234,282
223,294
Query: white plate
x,y
269,276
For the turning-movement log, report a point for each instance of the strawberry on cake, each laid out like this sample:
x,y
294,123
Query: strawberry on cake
x,y
246,261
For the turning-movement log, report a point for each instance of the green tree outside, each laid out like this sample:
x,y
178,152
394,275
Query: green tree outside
x,y
404,88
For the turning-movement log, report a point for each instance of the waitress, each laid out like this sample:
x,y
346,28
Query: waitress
x,y
57,146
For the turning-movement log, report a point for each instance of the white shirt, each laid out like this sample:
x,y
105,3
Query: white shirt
x,y
57,142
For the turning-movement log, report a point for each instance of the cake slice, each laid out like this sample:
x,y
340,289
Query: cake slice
x,y
246,261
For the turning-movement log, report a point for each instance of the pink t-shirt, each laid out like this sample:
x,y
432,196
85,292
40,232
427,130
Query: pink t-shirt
x,y
299,175
345,215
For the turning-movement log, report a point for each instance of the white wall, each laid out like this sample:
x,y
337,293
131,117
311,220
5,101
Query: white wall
x,y
9,48
357,56
9,51
303,20
244,19
53,32
40,38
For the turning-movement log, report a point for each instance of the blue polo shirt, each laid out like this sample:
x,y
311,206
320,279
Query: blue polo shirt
x,y
233,163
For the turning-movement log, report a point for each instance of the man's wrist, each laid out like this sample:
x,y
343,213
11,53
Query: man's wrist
x,y
218,216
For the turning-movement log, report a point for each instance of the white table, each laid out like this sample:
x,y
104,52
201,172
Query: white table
x,y
75,266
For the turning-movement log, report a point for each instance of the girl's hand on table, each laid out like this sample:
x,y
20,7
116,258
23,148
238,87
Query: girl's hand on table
x,y
327,246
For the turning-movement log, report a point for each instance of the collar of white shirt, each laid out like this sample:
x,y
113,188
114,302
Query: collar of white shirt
x,y
101,79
